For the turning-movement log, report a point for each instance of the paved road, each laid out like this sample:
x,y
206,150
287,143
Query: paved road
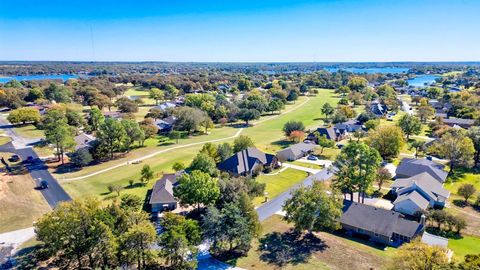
x,y
38,170
271,207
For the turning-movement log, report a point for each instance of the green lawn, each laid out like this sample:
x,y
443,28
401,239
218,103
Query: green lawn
x,y
266,133
307,165
29,131
468,177
278,183
4,140
463,246
136,92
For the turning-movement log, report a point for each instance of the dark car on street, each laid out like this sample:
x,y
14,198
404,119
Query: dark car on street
x,y
43,184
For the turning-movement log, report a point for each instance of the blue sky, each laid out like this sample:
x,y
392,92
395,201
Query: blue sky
x,y
241,30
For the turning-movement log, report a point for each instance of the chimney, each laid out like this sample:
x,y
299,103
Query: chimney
x,y
422,219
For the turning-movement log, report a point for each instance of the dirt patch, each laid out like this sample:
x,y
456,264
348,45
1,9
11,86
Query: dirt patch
x,y
20,203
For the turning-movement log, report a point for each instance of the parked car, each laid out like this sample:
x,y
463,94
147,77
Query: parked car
x,y
43,184
389,117
14,158
312,157
29,159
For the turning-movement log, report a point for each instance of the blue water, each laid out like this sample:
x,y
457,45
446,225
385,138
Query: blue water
x,y
421,81
383,70
62,77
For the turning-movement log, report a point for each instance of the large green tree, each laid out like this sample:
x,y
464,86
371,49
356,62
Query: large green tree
x,y
197,188
24,115
388,140
62,136
313,209
410,125
357,166
456,147
178,241
111,135
242,142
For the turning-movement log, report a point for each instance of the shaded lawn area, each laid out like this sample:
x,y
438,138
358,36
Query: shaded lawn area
x,y
278,183
460,177
279,247
20,203
29,131
463,246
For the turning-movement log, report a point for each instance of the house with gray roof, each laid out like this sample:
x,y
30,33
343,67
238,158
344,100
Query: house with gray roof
x,y
411,166
84,140
329,132
349,126
379,225
417,193
378,109
166,124
165,105
161,198
296,151
461,122
246,161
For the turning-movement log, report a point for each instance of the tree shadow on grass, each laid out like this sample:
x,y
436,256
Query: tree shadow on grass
x,y
282,143
289,247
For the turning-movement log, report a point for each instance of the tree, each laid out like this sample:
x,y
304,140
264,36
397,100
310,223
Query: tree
x,y
470,261
327,110
146,174
417,145
170,92
81,157
149,128
206,123
24,115
388,140
248,115
372,124
133,132
410,125
425,112
178,241
297,136
127,105
197,188
357,166
95,119
115,188
59,93
292,96
224,151
244,84
210,150
130,201
137,241
383,175
62,136
275,105
466,191
175,135
242,142
111,135
189,119
474,134
77,232
417,255
204,163
313,209
323,142
291,126
156,94
357,83
75,119
178,166
456,147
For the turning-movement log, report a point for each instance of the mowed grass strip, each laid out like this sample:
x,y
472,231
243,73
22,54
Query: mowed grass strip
x,y
29,131
463,246
278,183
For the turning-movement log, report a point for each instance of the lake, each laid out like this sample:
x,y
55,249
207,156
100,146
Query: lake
x,y
62,77
423,80
383,70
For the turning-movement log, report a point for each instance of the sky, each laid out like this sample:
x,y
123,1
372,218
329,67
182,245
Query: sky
x,y
240,30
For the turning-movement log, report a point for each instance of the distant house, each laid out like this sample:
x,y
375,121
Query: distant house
x,y
295,151
114,115
417,193
166,124
83,140
410,167
329,132
379,225
161,198
245,162
349,126
464,123
165,105
378,109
